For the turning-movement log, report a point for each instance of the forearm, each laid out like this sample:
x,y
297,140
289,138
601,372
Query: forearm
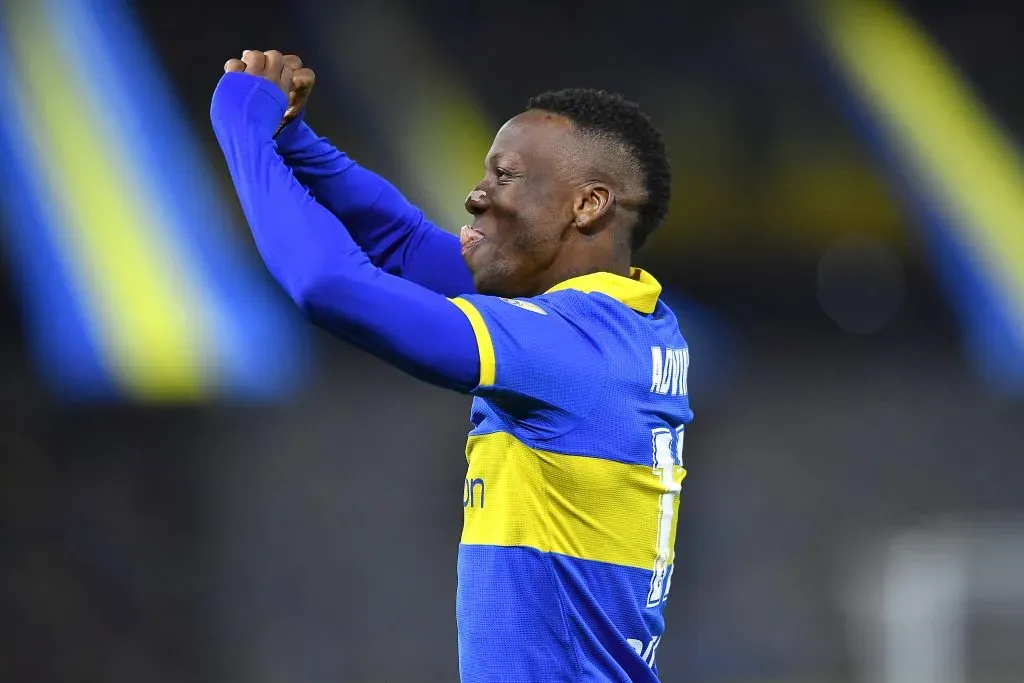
x,y
310,253
392,231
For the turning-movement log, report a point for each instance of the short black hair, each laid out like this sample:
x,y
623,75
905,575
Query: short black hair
x,y
608,114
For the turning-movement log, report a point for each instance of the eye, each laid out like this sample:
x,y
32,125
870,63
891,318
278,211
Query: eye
x,y
503,175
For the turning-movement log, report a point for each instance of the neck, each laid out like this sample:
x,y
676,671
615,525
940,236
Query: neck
x,y
619,265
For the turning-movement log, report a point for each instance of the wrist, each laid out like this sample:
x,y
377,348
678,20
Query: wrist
x,y
288,134
256,100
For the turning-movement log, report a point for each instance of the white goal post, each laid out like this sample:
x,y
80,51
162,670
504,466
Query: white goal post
x,y
908,597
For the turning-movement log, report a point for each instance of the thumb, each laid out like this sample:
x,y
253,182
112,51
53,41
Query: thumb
x,y
303,79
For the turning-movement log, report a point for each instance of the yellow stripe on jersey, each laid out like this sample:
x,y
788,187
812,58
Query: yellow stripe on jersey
x,y
588,508
483,341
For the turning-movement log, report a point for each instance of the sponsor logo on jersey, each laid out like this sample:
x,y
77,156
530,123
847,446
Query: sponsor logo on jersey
x,y
473,494
525,305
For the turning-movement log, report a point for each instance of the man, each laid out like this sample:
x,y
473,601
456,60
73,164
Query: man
x,y
577,368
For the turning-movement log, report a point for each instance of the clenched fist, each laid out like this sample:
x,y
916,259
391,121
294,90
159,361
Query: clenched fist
x,y
284,71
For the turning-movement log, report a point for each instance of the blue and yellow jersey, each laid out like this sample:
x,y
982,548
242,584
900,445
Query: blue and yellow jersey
x,y
572,491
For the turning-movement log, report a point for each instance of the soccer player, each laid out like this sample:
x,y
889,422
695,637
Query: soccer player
x,y
578,370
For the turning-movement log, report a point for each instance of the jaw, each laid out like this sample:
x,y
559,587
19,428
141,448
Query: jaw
x,y
514,267
492,279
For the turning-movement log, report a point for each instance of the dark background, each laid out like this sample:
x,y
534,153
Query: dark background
x,y
315,539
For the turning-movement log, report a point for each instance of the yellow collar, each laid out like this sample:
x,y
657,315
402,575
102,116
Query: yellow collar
x,y
639,291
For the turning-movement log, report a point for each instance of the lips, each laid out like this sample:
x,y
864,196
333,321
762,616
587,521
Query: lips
x,y
469,238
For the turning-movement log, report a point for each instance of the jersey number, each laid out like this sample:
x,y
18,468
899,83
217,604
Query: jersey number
x,y
667,446
646,653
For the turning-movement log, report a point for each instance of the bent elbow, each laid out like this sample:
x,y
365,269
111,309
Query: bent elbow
x,y
321,294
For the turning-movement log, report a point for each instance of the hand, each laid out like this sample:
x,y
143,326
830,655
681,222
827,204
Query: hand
x,y
284,71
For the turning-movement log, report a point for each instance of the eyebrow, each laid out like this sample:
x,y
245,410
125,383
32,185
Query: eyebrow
x,y
502,158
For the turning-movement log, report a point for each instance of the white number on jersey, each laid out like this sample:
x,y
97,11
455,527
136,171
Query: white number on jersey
x,y
667,446
648,653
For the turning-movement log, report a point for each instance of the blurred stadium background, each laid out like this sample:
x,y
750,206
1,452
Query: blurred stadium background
x,y
197,486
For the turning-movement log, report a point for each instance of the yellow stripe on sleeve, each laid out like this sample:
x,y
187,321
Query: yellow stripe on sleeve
x,y
588,508
483,341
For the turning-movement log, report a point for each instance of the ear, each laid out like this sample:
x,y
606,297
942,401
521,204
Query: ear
x,y
592,202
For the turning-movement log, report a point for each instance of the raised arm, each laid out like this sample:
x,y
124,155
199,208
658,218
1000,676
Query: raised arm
x,y
311,254
394,233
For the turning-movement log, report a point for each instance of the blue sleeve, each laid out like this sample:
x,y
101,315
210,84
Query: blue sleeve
x,y
539,367
310,253
394,234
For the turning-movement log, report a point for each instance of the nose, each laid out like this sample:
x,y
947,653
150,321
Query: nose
x,y
477,202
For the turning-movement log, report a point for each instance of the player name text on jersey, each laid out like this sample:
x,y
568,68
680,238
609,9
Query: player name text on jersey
x,y
669,370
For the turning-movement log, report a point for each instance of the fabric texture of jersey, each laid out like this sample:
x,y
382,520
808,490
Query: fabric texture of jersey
x,y
572,490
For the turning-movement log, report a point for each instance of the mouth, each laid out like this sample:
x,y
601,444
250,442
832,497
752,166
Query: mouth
x,y
470,238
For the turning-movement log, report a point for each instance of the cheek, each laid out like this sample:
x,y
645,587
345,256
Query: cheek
x,y
532,223
539,238
536,225
532,244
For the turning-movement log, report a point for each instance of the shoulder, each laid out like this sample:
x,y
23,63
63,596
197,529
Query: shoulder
x,y
550,312
551,327
540,304
539,363
572,317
